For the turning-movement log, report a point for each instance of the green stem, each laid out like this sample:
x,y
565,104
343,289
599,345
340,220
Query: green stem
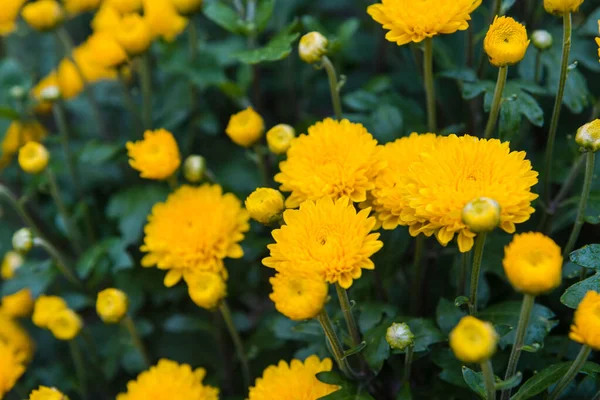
x,y
80,368
408,359
72,231
417,275
137,340
130,103
193,50
476,271
572,372
16,204
333,86
538,67
348,315
261,164
237,342
488,379
515,353
61,261
496,103
566,49
334,343
429,85
173,181
596,396
146,84
462,277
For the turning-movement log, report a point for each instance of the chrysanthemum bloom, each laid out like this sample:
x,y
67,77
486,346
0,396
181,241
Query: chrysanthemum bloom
x,y
533,263
298,380
335,159
17,135
413,21
33,158
265,205
11,368
194,168
163,19
194,230
106,19
80,6
586,325
588,136
47,393
16,305
245,127
279,138
458,170
8,15
37,92
481,215
399,336
156,157
125,6
473,340
13,334
206,289
327,238
133,34
506,42
112,305
45,308
386,197
104,50
43,15
298,295
186,7
10,263
312,47
65,324
170,380
561,7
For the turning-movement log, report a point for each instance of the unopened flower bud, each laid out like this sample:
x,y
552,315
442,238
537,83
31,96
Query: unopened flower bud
x,y
279,138
265,205
194,168
112,305
588,136
17,92
481,215
541,39
399,336
50,93
22,240
312,47
33,158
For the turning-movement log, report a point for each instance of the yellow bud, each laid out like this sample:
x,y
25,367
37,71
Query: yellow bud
x,y
279,138
399,336
17,305
481,215
45,308
104,51
541,39
506,42
10,263
111,305
473,340
194,167
79,6
22,240
312,47
43,15
206,289
265,205
561,7
133,34
33,157
245,127
299,295
186,7
65,325
17,92
588,136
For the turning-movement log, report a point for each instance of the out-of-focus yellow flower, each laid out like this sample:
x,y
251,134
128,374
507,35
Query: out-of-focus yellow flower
x,y
245,127
182,240
265,205
13,334
47,393
561,7
413,21
43,15
19,134
104,50
473,340
186,7
206,289
481,215
45,308
133,34
11,368
10,263
298,295
112,305
326,238
124,6
586,324
16,305
163,19
49,82
194,168
506,42
65,324
298,380
80,6
156,157
588,136
9,13
107,19
279,138
167,378
33,157
312,47
533,263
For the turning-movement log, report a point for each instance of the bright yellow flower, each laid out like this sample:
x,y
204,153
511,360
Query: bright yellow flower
x,y
49,82
45,308
186,7
19,304
17,135
11,368
335,159
245,127
586,324
297,380
111,305
481,215
80,6
413,21
279,138
533,263
104,50
10,263
65,324
206,289
312,47
13,334
163,19
170,380
43,15
47,393
473,340
560,7
506,42
156,157
9,13
458,170
194,230
326,238
33,158
107,19
588,136
298,295
265,205
133,34
124,6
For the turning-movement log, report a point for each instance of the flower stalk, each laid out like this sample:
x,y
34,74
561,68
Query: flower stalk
x,y
497,102
408,359
429,85
418,272
72,231
79,368
136,339
333,86
146,84
488,379
335,343
61,262
239,347
348,315
130,103
476,271
572,372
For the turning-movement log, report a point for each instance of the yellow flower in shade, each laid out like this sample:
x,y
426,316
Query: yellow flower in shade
x,y
43,15
296,380
561,7
19,304
111,305
586,325
335,159
505,42
33,158
413,21
156,157
39,92
19,134
65,324
80,6
206,289
533,263
588,136
194,230
8,15
163,19
473,340
45,308
279,138
104,50
124,6
170,380
107,19
133,34
13,334
326,238
10,263
481,215
459,169
298,295
245,127
11,368
312,47
186,7
265,205
47,393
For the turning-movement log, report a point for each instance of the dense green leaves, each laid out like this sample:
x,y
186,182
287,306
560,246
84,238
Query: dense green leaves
x,y
279,47
588,256
575,293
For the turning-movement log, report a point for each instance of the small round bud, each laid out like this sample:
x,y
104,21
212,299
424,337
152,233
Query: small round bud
x,y
11,262
279,138
65,324
206,289
312,47
22,240
541,39
399,336
265,205
17,92
33,157
588,136
111,305
473,340
481,215
50,93
194,168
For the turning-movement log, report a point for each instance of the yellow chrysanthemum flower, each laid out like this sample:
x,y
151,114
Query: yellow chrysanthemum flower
x,y
473,340
47,393
506,42
106,19
65,324
43,15
17,135
11,368
39,91
33,158
19,304
186,7
170,380
10,263
163,19
265,205
245,127
297,380
194,230
112,305
80,6
279,138
8,15
335,159
298,295
413,21
326,238
156,157
104,50
586,324
457,171
13,334
206,289
588,136
124,6
45,308
560,7
133,34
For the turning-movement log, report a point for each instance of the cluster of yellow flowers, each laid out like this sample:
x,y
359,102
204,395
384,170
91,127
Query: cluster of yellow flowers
x,y
53,313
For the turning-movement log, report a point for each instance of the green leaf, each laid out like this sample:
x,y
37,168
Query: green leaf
x,y
448,315
9,113
587,256
371,314
361,100
510,119
278,48
475,381
37,276
529,107
179,323
426,333
264,11
386,123
506,5
348,390
461,300
460,74
96,153
575,293
378,349
509,383
224,16
355,350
